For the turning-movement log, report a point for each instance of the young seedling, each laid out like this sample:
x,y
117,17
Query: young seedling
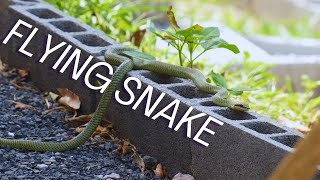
x,y
218,80
191,39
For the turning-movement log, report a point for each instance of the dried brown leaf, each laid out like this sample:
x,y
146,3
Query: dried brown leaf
x,y
11,71
69,98
78,121
180,176
124,147
20,105
23,73
161,171
137,37
80,129
172,19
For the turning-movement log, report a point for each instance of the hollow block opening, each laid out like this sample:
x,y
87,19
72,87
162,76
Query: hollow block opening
x,y
234,115
263,127
161,78
67,26
91,40
288,140
44,13
189,92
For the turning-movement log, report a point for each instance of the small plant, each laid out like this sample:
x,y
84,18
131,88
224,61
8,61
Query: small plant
x,y
190,39
218,80
121,20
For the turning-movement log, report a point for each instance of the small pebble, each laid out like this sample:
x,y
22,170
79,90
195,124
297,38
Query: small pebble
x,y
112,176
42,166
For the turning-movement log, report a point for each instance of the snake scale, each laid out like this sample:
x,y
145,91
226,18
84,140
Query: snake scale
x,y
114,56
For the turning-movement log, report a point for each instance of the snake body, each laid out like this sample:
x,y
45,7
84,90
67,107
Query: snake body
x,y
114,56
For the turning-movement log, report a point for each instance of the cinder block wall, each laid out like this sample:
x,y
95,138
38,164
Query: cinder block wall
x,y
247,146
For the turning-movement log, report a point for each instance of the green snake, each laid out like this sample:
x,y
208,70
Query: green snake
x,y
114,56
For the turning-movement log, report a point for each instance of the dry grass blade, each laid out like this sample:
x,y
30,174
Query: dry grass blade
x,y
21,85
137,159
60,108
69,98
48,104
1,66
20,105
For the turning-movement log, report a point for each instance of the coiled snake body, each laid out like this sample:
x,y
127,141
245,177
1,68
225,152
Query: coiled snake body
x,y
114,56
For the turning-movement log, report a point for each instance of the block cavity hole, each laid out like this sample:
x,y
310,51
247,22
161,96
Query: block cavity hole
x,y
161,78
189,92
24,2
67,26
44,13
91,40
234,115
289,140
263,127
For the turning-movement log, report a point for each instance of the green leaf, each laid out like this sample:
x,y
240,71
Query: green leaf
x,y
314,103
210,32
99,83
247,55
139,55
153,30
212,43
235,92
218,79
170,35
195,29
230,47
239,90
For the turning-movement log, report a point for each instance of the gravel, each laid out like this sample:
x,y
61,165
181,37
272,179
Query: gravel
x,y
93,160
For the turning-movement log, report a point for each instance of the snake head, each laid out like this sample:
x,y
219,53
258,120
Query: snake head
x,y
239,106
